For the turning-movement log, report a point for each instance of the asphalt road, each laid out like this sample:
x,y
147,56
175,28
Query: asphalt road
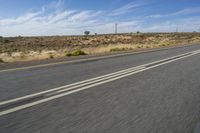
x,y
160,97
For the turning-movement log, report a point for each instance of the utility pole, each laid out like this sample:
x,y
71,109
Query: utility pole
x,y
116,28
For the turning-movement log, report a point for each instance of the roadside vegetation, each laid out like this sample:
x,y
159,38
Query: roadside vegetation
x,y
37,48
120,49
1,61
77,52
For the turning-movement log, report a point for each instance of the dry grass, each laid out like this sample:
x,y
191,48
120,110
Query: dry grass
x,y
122,47
32,55
39,48
107,48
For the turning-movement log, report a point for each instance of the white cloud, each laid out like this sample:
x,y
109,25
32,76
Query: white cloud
x,y
185,11
42,23
60,16
19,20
127,8
84,16
74,22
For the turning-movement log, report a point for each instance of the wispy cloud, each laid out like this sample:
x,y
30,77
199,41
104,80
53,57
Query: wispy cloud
x,y
83,16
60,16
127,8
55,6
20,19
186,11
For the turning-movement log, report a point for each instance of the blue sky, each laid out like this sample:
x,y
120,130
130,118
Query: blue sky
x,y
72,17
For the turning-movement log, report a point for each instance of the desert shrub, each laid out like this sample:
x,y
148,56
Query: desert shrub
x,y
1,60
76,53
23,55
68,54
147,46
6,41
120,49
165,44
106,37
51,56
116,49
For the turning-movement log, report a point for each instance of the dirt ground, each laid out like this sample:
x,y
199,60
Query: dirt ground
x,y
14,49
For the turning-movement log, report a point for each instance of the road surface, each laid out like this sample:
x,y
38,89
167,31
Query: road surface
x,y
154,92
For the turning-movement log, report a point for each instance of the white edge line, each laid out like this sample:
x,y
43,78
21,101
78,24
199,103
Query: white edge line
x,y
81,82
71,86
86,87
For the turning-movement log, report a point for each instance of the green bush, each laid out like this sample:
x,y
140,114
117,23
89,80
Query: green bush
x,y
76,53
